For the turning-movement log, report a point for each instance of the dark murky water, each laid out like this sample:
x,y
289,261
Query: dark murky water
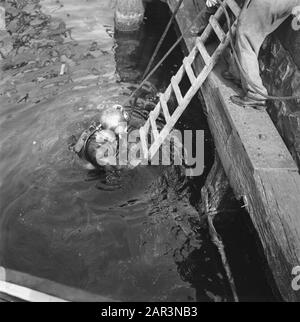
x,y
54,223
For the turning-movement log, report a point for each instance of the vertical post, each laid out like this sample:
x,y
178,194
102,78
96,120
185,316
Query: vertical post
x,y
129,15
213,195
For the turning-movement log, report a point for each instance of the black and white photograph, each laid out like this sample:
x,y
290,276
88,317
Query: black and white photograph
x,y
149,154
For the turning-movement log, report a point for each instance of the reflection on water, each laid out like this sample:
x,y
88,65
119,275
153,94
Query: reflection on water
x,y
55,224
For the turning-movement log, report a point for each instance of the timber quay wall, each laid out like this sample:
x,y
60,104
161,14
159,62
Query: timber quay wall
x,y
257,164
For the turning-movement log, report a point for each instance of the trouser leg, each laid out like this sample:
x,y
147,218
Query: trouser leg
x,y
258,19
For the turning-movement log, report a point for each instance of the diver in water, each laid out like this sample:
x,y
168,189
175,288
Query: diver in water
x,y
99,143
111,143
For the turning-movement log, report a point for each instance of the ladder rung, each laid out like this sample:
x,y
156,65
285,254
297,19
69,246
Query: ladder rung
x,y
234,7
189,70
146,127
203,52
217,28
164,107
153,125
176,90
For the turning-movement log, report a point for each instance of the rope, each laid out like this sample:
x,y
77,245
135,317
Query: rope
x,y
164,57
162,39
241,69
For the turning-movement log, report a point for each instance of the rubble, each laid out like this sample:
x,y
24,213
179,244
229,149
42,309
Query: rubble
x,y
38,53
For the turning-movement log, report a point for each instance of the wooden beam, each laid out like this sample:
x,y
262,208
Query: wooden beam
x,y
259,167
34,289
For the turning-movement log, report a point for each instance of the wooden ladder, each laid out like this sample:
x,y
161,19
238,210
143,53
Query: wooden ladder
x,y
150,127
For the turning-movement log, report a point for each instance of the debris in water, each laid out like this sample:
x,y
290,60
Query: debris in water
x,y
62,69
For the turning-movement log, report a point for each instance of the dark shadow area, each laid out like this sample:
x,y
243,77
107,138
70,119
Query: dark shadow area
x,y
134,50
203,268
251,273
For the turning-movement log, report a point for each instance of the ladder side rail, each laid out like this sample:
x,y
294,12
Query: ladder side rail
x,y
234,7
173,87
188,97
208,30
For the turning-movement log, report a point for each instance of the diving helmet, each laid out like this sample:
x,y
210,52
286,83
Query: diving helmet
x,y
99,142
114,119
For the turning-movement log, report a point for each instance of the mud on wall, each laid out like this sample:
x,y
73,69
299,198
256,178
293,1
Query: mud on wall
x,y
280,67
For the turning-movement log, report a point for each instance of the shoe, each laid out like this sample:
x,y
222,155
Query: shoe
x,y
259,104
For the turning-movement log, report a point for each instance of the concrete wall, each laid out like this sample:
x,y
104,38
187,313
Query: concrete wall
x,y
280,66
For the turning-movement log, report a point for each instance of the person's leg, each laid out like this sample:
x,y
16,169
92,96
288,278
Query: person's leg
x,y
231,72
258,19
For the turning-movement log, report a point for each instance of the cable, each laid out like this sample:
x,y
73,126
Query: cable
x,y
164,57
162,39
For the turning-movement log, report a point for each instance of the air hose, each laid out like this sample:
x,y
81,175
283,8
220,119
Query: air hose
x,y
157,48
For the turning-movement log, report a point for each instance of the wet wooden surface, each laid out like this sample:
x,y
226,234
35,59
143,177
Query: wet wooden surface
x,y
47,288
258,165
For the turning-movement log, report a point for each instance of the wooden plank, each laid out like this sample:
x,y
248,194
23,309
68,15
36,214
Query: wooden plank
x,y
260,138
248,181
280,195
206,33
259,168
26,294
34,289
9,299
